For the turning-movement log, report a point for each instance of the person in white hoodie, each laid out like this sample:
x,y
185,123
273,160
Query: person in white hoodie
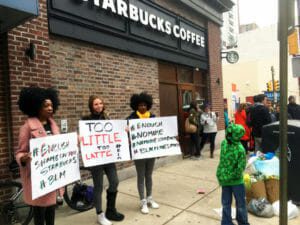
x,y
209,121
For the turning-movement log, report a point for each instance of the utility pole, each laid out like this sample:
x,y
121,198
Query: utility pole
x,y
273,86
286,22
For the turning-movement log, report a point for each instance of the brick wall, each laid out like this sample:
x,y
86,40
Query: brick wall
x,y
215,71
80,69
23,71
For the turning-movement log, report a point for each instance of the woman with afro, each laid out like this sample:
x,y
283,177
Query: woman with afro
x,y
39,104
141,104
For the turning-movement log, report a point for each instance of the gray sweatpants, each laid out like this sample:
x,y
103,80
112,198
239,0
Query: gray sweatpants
x,y
112,176
144,169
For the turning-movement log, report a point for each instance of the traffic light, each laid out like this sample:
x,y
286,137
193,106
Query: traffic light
x,y
276,85
269,86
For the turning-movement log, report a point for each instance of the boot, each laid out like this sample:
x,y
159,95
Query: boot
x,y
111,211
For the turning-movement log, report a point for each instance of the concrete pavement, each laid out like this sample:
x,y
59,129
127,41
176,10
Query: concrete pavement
x,y
174,188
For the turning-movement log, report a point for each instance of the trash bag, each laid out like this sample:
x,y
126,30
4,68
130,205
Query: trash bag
x,y
268,167
293,211
260,207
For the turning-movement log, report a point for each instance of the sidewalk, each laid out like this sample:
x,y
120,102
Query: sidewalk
x,y
174,188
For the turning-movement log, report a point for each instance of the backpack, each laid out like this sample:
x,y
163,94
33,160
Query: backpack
x,y
83,193
89,194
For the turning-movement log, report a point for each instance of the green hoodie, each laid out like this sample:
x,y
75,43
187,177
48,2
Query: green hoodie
x,y
233,157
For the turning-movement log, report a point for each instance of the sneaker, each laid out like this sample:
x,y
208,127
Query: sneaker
x,y
144,207
102,219
152,203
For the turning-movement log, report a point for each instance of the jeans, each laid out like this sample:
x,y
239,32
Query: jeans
x,y
208,136
97,174
238,192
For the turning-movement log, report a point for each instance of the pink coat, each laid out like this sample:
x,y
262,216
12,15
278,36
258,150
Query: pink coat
x,y
33,128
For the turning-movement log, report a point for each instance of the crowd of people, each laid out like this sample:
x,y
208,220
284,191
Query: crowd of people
x,y
251,116
254,116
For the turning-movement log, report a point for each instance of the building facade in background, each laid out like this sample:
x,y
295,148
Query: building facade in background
x,y
171,49
230,28
259,51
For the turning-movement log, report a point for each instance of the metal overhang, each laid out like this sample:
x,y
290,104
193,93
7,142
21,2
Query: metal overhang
x,y
15,12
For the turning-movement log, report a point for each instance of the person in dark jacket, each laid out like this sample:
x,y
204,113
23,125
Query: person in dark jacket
x,y
293,108
141,104
194,118
97,110
230,175
260,116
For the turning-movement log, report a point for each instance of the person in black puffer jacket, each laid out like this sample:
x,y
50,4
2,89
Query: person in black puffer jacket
x,y
260,116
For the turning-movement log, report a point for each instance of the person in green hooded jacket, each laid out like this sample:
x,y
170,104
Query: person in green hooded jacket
x,y
230,175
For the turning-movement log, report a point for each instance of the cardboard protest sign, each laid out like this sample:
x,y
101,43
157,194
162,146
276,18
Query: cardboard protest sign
x,y
103,141
54,163
153,137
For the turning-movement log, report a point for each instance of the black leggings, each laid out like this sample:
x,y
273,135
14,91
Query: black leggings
x,y
42,214
211,137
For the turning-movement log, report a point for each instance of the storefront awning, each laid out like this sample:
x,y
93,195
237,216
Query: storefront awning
x,y
15,12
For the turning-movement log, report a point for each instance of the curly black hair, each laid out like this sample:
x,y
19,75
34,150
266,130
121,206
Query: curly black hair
x,y
31,100
143,97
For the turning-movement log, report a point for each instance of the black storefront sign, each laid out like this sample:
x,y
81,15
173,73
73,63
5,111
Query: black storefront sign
x,y
136,26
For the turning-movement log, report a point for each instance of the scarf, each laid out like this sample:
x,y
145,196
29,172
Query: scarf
x,y
143,116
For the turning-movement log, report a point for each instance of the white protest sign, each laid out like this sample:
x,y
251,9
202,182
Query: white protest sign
x,y
154,137
54,163
103,141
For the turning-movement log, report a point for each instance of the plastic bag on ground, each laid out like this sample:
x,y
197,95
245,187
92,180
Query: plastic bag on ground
x,y
293,211
268,167
260,207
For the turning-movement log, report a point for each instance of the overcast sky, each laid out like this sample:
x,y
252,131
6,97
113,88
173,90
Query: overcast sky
x,y
262,12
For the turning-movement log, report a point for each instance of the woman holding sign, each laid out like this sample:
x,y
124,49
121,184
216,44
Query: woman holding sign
x,y
39,105
97,108
141,104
